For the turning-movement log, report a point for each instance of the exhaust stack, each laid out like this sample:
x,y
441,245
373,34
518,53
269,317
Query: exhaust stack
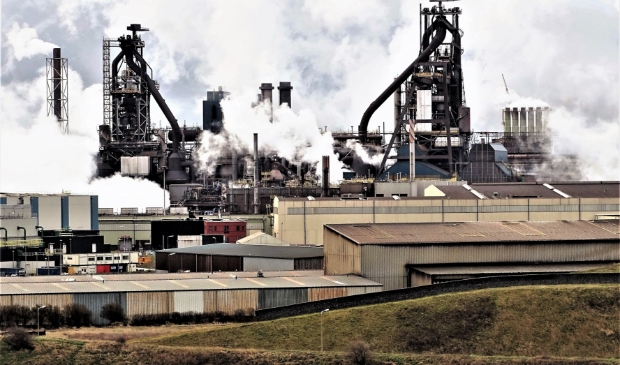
x,y
256,168
325,176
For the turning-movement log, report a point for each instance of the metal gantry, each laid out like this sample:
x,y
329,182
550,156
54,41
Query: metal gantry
x,y
57,71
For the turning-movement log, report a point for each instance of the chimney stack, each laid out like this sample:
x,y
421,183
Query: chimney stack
x,y
256,171
325,176
285,93
266,91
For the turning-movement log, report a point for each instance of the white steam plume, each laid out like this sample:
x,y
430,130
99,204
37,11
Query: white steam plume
x,y
36,157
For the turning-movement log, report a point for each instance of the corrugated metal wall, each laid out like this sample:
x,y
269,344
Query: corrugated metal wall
x,y
79,208
49,212
95,301
229,300
315,294
33,300
312,263
188,301
341,255
267,264
158,302
269,298
386,264
150,303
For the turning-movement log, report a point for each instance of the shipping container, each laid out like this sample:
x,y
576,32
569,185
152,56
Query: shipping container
x,y
48,271
103,269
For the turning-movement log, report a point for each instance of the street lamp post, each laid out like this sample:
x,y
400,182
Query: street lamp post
x,y
321,315
38,327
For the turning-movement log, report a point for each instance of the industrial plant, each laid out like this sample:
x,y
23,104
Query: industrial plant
x,y
260,231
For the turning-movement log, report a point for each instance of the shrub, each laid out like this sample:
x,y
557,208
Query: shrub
x,y
113,312
77,315
243,315
358,353
52,317
18,339
121,340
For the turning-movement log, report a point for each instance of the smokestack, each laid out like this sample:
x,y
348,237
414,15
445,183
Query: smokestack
x,y
285,93
235,168
57,77
325,176
256,168
266,90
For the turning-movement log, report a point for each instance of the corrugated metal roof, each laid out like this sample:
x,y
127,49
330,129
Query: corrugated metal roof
x,y
516,191
153,276
455,192
605,189
208,283
474,232
504,269
231,249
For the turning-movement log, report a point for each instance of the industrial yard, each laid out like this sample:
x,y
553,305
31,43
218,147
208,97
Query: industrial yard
x,y
392,183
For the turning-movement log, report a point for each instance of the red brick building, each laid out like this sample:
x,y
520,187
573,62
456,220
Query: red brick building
x,y
231,229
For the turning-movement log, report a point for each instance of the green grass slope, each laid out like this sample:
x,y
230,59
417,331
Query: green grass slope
x,y
562,321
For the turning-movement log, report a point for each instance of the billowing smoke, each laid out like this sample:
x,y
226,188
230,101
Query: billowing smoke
x,y
294,136
339,58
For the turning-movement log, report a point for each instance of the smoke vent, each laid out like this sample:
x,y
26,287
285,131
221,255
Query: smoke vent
x,y
285,93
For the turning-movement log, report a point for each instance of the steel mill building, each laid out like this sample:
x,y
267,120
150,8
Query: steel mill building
x,y
404,254
167,293
301,220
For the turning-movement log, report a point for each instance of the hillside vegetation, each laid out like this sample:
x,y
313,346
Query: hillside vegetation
x,y
563,321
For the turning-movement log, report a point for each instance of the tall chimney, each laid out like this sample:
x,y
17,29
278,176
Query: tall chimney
x,y
285,93
325,176
266,90
57,77
256,168
235,167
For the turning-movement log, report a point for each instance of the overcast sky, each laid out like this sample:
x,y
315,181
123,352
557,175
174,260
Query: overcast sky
x,y
339,57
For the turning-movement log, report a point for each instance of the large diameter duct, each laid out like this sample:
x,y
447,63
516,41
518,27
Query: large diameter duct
x,y
256,165
325,176
439,26
57,78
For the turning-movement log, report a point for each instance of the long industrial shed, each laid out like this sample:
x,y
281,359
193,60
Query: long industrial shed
x,y
399,255
207,293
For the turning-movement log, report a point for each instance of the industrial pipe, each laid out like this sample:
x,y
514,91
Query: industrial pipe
x,y
256,164
115,62
129,51
176,174
20,227
440,35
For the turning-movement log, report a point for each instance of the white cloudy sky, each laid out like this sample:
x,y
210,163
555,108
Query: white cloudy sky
x,y
339,57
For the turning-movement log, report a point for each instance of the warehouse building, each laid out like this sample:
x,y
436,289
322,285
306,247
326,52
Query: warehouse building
x,y
141,294
234,257
405,255
301,220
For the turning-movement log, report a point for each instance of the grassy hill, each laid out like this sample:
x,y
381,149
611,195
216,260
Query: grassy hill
x,y
563,321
